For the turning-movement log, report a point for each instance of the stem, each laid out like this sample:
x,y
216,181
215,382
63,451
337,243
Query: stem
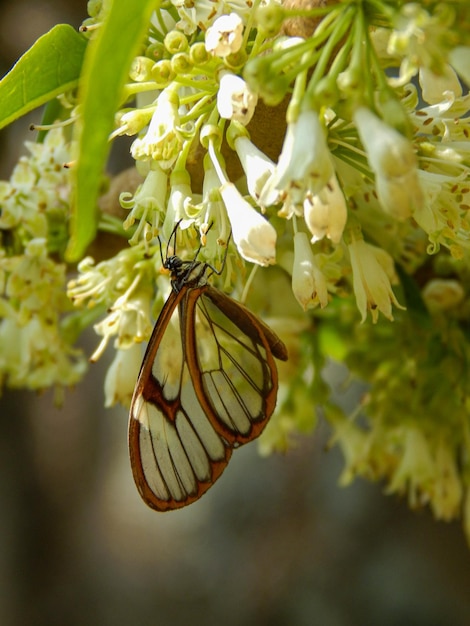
x,y
335,34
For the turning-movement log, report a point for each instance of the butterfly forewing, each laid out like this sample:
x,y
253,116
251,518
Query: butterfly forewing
x,y
208,383
176,454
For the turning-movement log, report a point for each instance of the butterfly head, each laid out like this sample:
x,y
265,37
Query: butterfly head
x,y
184,272
174,265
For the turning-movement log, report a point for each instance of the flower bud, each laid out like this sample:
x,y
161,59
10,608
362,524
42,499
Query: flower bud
x,y
308,283
256,165
253,235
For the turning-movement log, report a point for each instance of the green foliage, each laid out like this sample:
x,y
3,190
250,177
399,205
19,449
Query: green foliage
x,y
105,70
49,68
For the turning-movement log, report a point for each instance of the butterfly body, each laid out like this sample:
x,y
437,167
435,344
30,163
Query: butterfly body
x,y
208,383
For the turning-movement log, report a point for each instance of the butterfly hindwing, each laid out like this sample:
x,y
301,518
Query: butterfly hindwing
x,y
231,362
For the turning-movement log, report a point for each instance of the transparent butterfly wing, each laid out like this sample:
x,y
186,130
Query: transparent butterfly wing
x,y
176,454
208,383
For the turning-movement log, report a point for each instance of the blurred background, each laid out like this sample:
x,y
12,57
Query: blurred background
x,y
274,543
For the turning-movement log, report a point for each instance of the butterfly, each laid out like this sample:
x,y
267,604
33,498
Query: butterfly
x,y
208,384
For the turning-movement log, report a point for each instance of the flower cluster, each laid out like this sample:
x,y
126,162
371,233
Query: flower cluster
x,y
256,127
417,441
36,334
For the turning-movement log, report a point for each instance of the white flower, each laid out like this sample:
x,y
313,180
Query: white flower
x,y
225,36
325,213
441,294
441,216
148,200
447,493
434,86
256,165
128,320
308,282
417,37
253,235
392,159
180,196
202,13
373,273
304,165
122,375
163,141
235,100
400,196
354,444
390,153
415,473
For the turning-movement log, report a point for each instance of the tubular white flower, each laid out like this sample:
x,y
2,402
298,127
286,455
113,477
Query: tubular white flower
x,y
373,273
235,100
308,282
225,36
415,472
120,378
163,141
180,196
304,164
390,153
392,159
253,235
150,197
325,213
400,196
256,165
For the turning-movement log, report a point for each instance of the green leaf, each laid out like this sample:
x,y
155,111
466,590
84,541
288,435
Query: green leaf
x,y
50,67
106,67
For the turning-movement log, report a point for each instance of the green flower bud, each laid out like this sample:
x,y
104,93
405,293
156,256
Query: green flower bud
x,y
175,41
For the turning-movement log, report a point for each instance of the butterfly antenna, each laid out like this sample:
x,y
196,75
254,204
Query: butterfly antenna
x,y
173,236
161,250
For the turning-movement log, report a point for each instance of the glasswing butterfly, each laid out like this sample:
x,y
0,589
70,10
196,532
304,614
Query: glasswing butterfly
x,y
208,384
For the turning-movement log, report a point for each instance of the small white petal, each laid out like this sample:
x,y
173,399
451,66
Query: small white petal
x,y
235,100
